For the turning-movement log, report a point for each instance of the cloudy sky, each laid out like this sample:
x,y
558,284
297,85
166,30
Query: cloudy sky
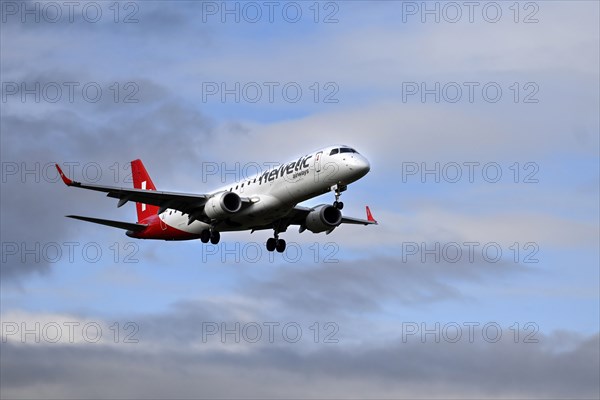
x,y
481,124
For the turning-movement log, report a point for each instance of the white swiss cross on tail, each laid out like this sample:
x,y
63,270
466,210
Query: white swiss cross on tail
x,y
141,180
144,188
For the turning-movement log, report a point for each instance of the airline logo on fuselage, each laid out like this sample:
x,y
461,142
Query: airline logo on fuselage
x,y
295,168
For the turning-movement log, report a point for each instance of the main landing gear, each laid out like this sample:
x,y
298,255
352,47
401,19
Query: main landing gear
x,y
210,235
338,189
275,243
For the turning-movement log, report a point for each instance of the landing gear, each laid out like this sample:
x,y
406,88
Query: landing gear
x,y
205,236
275,243
210,235
338,189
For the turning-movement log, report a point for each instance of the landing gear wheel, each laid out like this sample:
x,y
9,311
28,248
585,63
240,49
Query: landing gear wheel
x,y
205,236
338,204
280,245
271,244
215,237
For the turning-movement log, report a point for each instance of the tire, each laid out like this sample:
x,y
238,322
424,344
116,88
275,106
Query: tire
x,y
215,237
204,236
280,246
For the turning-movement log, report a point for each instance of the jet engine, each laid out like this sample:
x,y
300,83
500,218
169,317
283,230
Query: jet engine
x,y
222,204
323,218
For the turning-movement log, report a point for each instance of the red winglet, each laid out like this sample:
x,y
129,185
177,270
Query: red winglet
x,y
370,216
66,180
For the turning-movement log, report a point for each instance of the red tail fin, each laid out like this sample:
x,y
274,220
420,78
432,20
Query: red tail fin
x,y
141,180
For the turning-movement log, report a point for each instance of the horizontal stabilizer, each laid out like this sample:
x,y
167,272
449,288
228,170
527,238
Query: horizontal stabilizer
x,y
115,224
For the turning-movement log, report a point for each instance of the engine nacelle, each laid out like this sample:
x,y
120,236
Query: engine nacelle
x,y
221,205
323,218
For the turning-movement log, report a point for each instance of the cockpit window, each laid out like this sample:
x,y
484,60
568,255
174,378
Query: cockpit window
x,y
347,150
334,151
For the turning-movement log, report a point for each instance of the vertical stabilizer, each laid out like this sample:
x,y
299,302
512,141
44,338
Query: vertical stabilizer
x,y
141,180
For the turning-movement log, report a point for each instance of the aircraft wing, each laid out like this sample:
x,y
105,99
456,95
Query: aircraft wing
x,y
299,214
358,221
186,203
109,222
298,217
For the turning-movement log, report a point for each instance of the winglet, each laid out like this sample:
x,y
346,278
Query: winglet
x,y
370,216
66,180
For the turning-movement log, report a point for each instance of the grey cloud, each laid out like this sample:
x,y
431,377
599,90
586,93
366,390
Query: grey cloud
x,y
164,131
364,285
392,370
350,294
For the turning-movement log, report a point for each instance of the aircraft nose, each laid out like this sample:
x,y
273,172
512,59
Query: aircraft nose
x,y
362,166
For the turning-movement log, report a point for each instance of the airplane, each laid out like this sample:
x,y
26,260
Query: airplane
x,y
268,200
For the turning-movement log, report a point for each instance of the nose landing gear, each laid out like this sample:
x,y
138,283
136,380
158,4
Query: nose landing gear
x,y
338,189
